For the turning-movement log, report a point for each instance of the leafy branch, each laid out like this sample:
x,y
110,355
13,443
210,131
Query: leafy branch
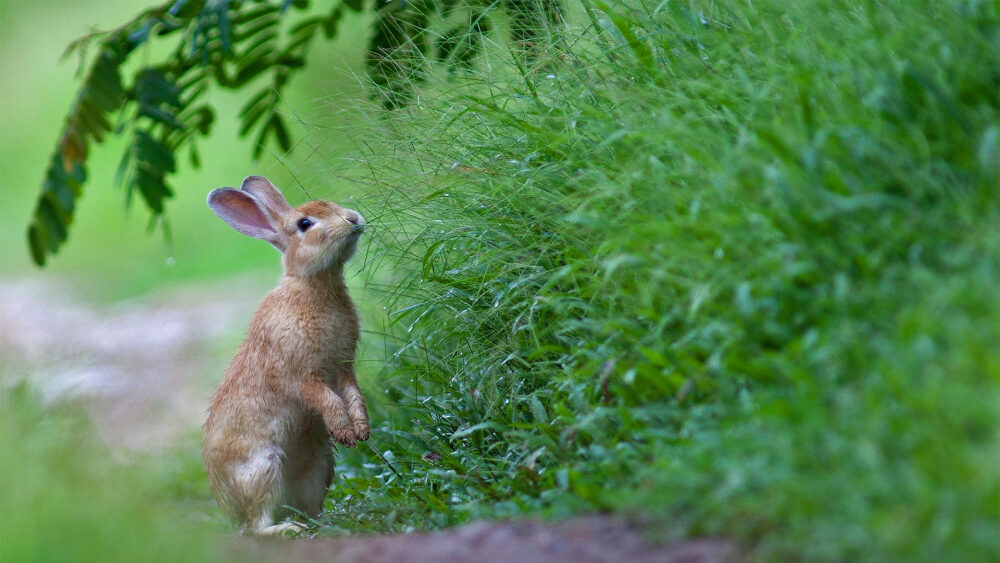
x,y
231,44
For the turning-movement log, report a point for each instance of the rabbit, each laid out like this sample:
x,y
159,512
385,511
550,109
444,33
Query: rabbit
x,y
291,386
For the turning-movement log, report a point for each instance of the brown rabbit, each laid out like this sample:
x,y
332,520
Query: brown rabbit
x,y
291,385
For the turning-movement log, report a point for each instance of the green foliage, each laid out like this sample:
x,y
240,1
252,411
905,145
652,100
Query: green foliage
x,y
728,266
454,32
236,45
65,497
162,107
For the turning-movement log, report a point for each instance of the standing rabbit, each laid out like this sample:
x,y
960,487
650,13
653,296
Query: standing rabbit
x,y
291,385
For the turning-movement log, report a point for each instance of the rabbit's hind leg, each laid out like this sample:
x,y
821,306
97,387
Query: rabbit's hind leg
x,y
261,484
312,478
279,529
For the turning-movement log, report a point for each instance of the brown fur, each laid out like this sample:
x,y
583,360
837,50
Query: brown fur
x,y
291,386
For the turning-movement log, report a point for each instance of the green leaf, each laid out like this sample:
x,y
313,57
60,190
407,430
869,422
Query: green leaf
x,y
222,23
299,4
281,133
254,113
538,410
254,14
153,87
139,36
62,194
203,118
299,41
288,60
160,115
195,158
624,26
104,82
330,23
36,244
261,47
53,222
306,26
153,153
73,145
107,96
186,9
123,166
152,188
91,119
257,99
251,70
258,146
488,425
253,29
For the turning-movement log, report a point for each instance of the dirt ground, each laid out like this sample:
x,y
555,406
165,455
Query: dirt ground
x,y
593,539
144,370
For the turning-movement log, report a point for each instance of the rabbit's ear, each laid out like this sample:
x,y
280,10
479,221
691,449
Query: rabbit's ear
x,y
245,214
266,194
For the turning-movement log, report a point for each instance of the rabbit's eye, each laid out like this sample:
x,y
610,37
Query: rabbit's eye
x,y
304,224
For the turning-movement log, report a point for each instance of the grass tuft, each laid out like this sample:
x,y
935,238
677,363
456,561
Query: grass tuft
x,y
727,267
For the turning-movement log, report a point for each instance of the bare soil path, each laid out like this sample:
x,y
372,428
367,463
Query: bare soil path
x,y
593,539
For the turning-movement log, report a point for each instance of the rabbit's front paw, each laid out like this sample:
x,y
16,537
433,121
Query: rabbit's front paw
x,y
345,435
361,430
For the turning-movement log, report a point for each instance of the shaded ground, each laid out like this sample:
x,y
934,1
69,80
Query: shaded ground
x,y
595,539
144,370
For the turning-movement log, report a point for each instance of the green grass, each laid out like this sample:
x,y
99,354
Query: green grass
x,y
730,268
67,497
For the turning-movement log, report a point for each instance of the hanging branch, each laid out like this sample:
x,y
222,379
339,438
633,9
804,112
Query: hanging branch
x,y
230,44
223,43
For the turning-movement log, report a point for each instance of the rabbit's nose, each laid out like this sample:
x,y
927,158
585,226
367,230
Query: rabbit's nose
x,y
353,217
